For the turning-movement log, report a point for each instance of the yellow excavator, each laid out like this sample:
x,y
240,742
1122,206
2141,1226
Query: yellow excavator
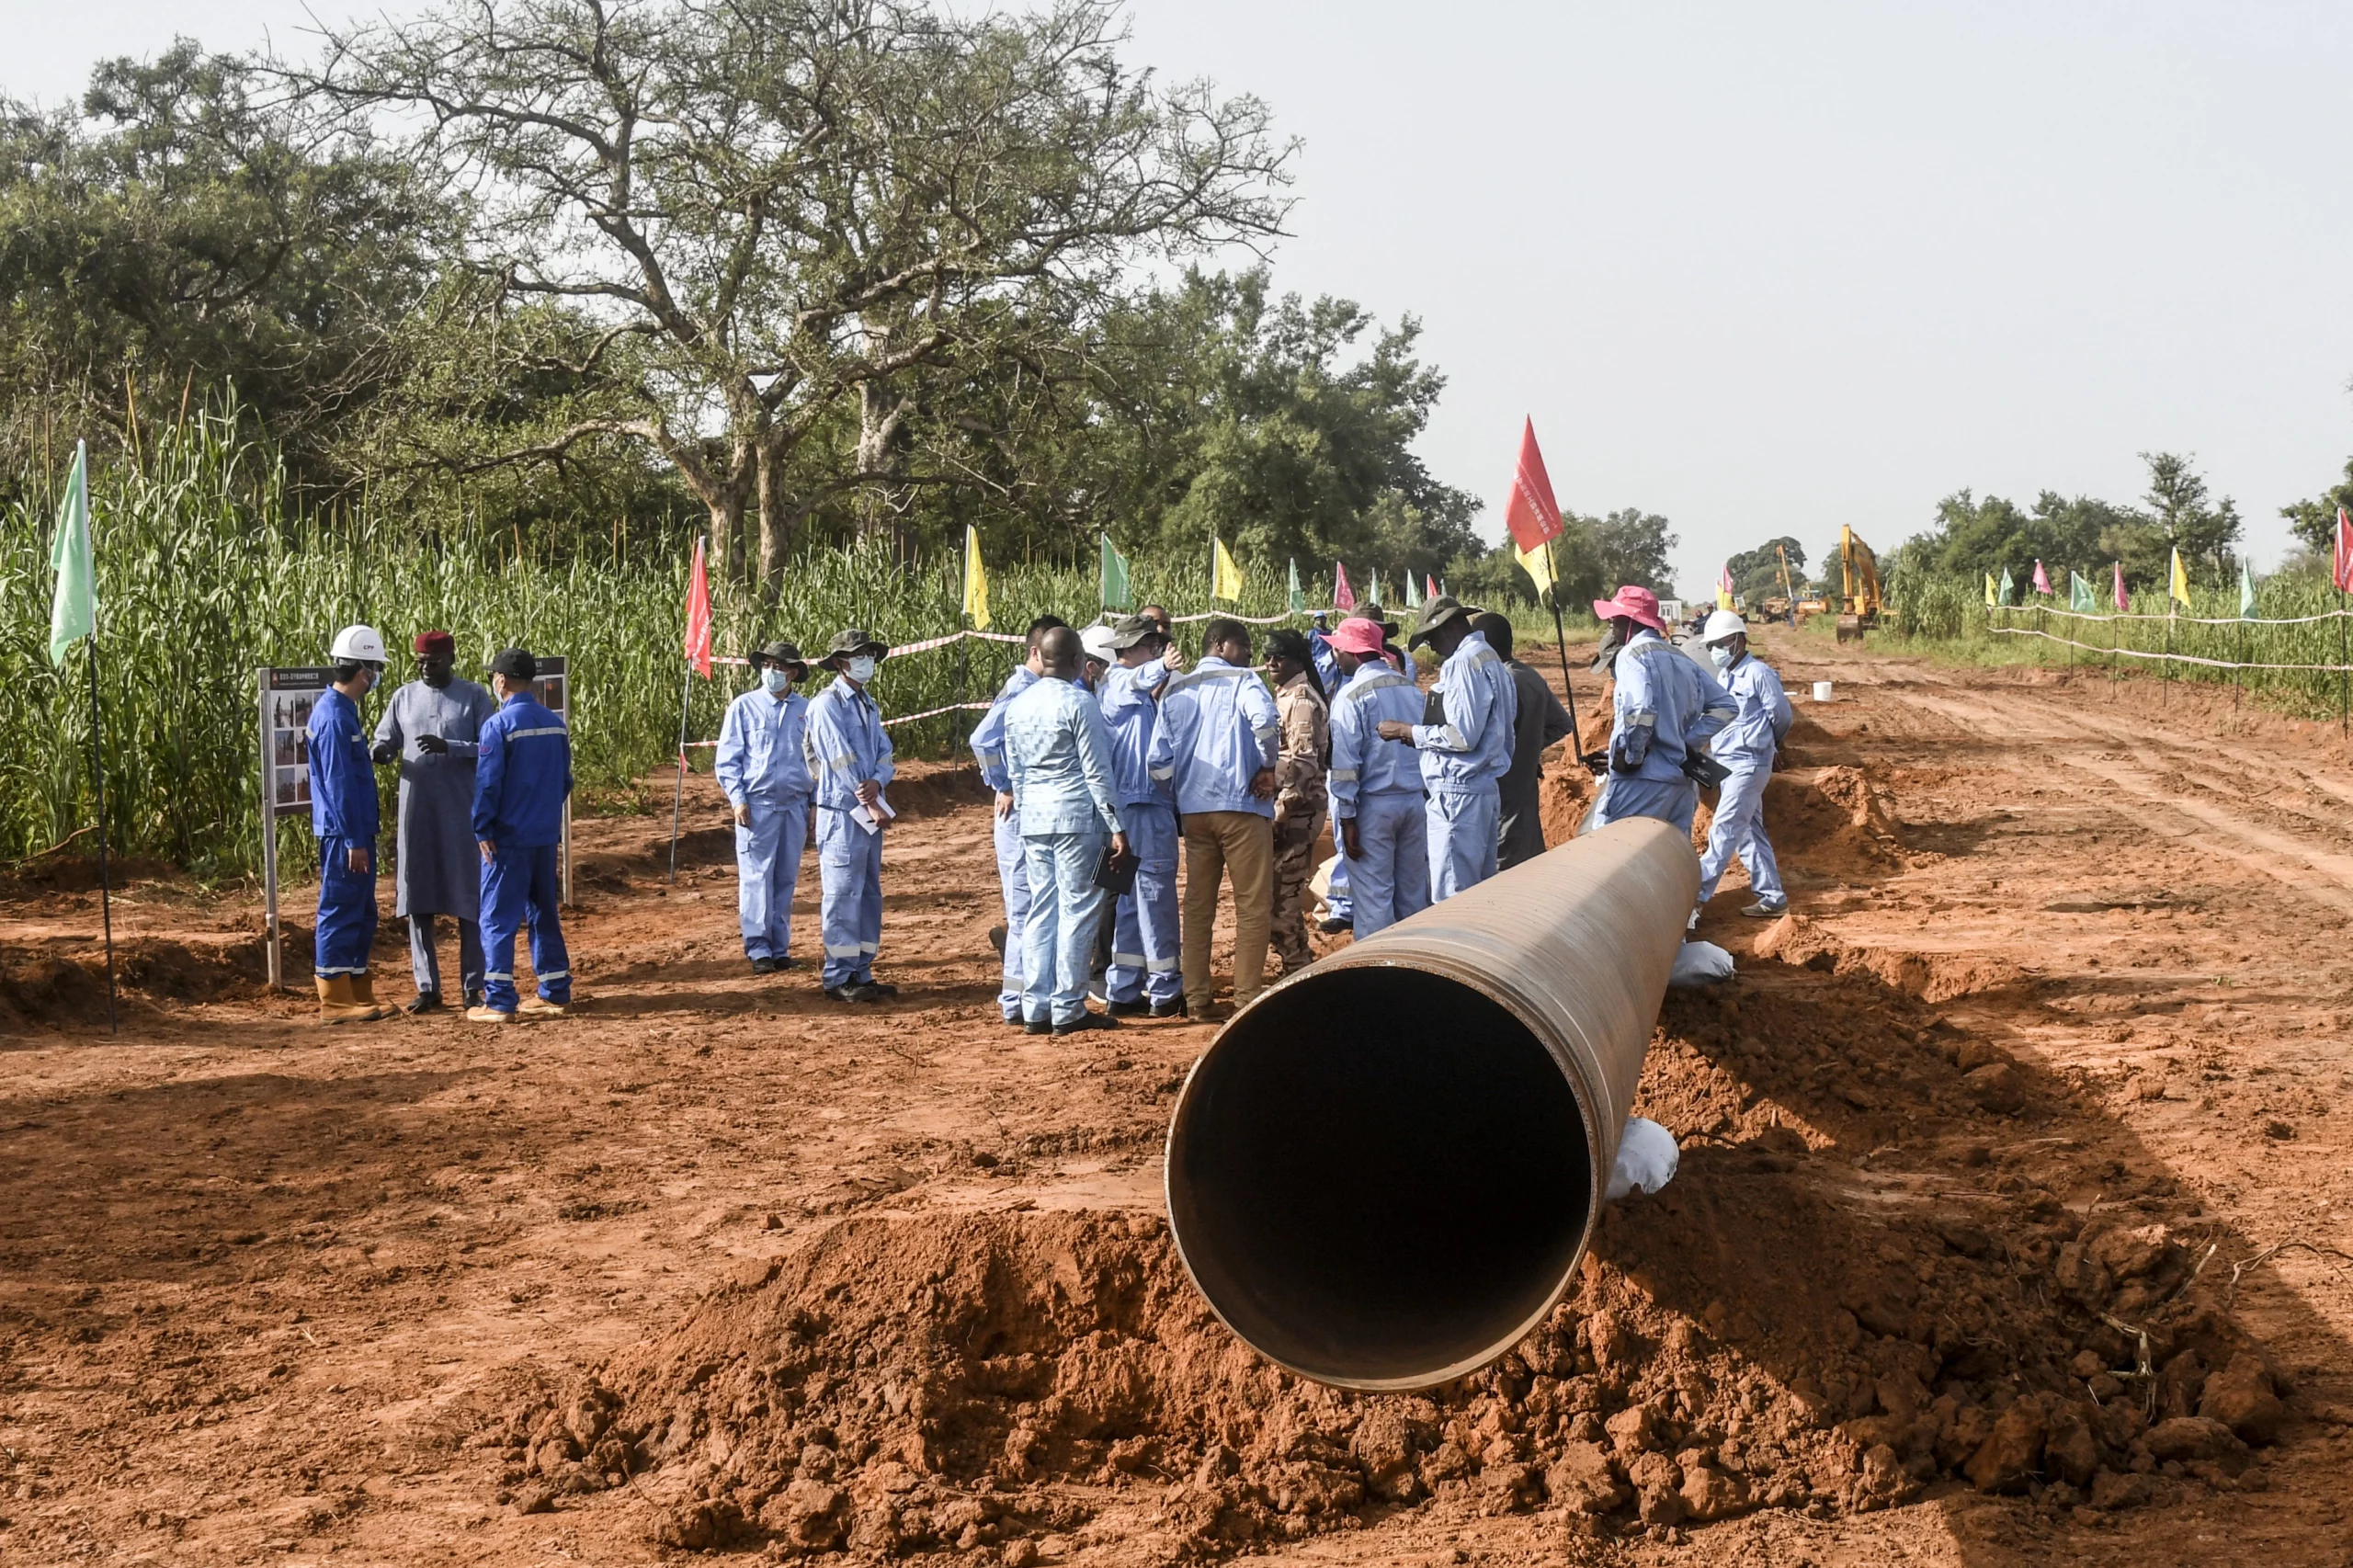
x,y
1858,606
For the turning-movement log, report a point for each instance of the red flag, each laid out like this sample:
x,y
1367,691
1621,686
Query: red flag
x,y
2041,579
698,642
1533,515
2122,602
2344,573
1430,586
1343,596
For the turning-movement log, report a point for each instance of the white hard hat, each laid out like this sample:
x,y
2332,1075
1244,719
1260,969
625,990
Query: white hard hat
x,y
1722,624
357,646
1097,640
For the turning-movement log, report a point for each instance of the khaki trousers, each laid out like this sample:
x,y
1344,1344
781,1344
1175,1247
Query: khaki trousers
x,y
1219,844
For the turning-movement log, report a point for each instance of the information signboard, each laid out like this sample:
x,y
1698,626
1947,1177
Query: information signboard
x,y
288,695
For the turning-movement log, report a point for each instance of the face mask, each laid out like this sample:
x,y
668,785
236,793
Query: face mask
x,y
1722,656
862,668
777,681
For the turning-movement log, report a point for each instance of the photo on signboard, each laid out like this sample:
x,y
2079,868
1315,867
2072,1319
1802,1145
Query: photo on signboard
x,y
291,709
291,749
293,786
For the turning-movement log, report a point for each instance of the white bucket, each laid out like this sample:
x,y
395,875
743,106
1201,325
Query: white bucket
x,y
1822,691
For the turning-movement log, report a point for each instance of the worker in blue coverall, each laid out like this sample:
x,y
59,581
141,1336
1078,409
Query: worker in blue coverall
x,y
1747,746
1376,785
1059,754
1012,873
522,778
1465,744
1144,975
344,816
765,774
1666,706
849,755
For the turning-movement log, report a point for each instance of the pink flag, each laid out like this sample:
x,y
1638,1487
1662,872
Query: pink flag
x,y
2122,602
698,640
2344,570
1430,586
1343,596
2041,579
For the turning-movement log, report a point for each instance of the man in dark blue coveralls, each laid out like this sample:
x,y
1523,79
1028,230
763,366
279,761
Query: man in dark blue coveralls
x,y
344,817
522,777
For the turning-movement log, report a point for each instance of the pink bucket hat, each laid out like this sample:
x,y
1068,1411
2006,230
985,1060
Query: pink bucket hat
x,y
1639,603
1358,636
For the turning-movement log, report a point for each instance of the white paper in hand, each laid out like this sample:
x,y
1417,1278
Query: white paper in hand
x,y
1646,1159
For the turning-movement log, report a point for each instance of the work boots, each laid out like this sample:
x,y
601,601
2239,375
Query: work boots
x,y
339,1001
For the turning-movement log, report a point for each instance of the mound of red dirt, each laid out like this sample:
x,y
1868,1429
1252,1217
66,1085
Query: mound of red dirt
x,y
40,985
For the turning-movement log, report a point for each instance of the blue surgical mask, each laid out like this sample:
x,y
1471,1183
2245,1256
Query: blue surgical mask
x,y
861,669
777,681
1723,657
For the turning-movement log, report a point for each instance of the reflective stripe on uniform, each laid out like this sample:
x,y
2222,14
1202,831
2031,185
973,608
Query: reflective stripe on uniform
x,y
1357,691
851,951
542,730
1344,775
1133,960
1194,677
1160,966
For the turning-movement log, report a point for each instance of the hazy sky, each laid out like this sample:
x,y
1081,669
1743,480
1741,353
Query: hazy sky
x,y
1774,268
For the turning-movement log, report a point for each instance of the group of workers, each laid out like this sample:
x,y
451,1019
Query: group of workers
x,y
1107,751
484,778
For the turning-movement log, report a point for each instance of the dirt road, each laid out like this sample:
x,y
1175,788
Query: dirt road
x,y
2061,1029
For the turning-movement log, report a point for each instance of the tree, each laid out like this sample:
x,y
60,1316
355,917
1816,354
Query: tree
x,y
1975,538
2179,517
768,208
1756,574
2313,522
1632,546
183,230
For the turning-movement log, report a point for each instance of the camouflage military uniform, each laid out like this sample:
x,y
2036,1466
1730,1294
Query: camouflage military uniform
x,y
1300,803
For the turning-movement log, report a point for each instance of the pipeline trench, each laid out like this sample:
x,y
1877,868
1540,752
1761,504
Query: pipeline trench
x,y
714,1268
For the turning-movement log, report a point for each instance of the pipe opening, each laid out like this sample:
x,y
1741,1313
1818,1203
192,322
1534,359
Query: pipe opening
x,y
1378,1175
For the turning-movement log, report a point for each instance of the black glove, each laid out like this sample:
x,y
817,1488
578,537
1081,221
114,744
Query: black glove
x,y
432,745
385,752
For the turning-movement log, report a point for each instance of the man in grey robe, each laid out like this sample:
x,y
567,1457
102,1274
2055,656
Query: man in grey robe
x,y
432,725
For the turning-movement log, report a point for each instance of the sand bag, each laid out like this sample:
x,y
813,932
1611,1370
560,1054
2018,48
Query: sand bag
x,y
1700,963
1646,1158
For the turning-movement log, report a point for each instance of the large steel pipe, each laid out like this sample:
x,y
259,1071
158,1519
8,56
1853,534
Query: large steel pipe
x,y
1383,1171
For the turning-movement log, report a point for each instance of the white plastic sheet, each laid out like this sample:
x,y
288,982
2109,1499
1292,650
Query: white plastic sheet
x,y
1646,1158
1700,963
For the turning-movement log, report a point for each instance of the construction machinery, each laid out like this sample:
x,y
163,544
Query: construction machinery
x,y
1859,603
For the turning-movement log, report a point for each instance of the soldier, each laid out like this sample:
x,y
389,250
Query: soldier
x,y
1306,720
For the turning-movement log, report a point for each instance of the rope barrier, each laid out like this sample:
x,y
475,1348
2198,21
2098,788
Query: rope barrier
x,y
2177,658
2183,620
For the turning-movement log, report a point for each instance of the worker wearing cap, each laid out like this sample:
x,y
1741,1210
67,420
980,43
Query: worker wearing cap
x,y
763,770
430,727
1096,656
1747,746
522,778
344,815
1059,756
1142,977
849,755
1376,785
1301,795
1216,746
1465,742
1319,644
1540,722
1664,706
1012,871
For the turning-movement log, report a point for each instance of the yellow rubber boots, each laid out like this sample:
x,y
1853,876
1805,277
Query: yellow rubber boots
x,y
339,1001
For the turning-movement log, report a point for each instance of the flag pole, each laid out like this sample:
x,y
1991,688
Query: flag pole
x,y
98,777
678,799
2341,667
1561,642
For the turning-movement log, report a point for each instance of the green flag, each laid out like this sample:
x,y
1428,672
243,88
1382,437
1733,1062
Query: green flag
x,y
2079,591
1298,596
2006,588
1117,594
2246,591
73,612
1376,591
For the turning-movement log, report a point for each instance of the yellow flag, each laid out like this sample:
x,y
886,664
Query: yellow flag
x,y
1992,594
1539,570
976,580
1225,580
2180,578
